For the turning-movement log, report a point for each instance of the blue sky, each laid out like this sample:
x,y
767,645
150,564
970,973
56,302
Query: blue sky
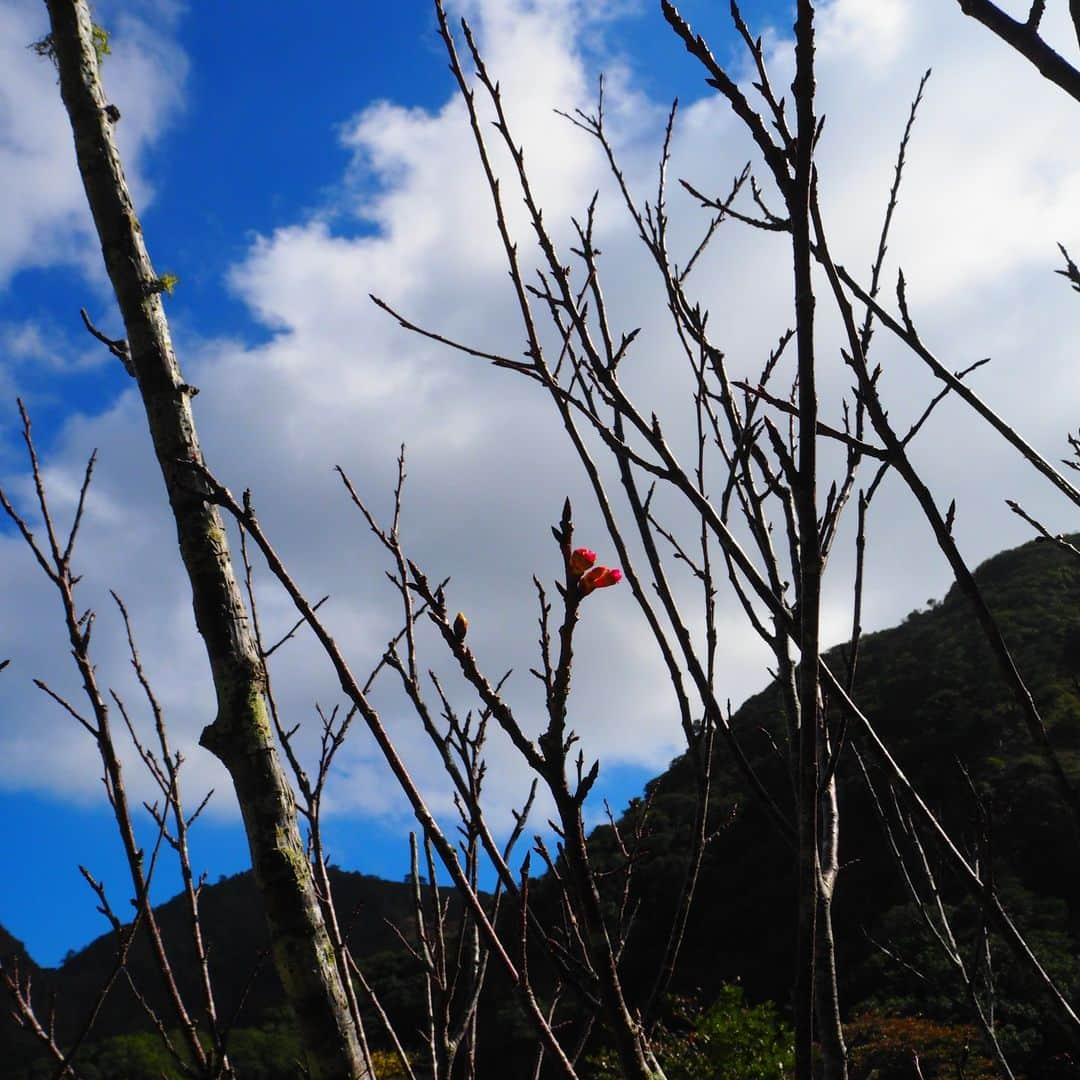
x,y
286,167
251,146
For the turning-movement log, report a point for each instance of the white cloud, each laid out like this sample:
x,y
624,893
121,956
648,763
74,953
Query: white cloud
x,y
43,215
869,35
340,382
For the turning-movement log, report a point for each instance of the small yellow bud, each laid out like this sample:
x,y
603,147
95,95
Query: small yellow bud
x,y
461,626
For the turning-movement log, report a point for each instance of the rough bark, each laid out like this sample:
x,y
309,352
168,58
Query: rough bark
x,y
240,735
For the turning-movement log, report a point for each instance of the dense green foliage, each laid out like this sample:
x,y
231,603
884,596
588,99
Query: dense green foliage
x,y
729,1040
932,689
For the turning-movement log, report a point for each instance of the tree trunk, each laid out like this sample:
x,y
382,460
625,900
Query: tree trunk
x,y
827,997
810,562
240,734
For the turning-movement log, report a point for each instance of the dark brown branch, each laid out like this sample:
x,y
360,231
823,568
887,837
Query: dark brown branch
x,y
118,347
1024,38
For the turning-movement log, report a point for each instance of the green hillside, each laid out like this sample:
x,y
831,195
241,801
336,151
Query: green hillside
x,y
931,687
247,991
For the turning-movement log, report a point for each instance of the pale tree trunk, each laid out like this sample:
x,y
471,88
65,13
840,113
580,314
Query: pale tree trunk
x,y
241,734
827,996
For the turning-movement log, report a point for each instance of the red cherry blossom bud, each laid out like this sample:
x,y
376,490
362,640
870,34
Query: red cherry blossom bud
x,y
581,560
599,577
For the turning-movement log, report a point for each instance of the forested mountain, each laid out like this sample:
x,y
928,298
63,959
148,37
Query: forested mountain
x,y
932,689
246,985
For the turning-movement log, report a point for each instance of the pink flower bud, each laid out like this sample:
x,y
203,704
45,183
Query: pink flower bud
x,y
581,560
599,577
